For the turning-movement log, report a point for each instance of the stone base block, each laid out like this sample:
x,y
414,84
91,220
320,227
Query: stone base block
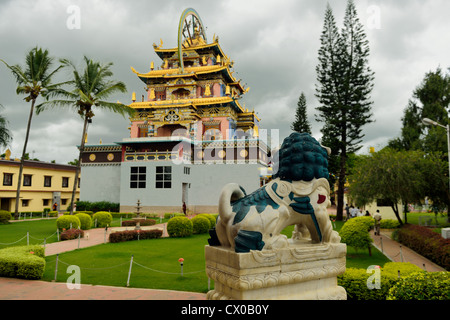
x,y
299,272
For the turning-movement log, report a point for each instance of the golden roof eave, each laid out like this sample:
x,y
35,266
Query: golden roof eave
x,y
179,103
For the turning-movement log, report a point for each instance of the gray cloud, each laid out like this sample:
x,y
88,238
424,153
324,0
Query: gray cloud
x,y
274,45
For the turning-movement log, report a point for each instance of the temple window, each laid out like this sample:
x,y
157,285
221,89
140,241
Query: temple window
x,y
181,93
163,177
138,176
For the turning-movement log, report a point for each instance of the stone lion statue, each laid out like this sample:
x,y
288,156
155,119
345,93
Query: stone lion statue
x,y
299,195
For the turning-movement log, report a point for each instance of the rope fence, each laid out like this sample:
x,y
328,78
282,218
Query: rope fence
x,y
28,237
131,263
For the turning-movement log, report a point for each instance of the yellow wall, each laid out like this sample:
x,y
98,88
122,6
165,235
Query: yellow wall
x,y
386,212
36,193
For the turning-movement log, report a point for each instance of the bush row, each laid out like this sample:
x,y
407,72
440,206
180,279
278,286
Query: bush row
x,y
27,262
426,242
142,222
98,206
130,235
181,226
413,283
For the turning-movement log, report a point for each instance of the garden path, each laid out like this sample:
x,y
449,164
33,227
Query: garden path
x,y
400,253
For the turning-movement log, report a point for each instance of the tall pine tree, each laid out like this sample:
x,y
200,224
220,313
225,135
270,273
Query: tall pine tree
x,y
301,123
345,83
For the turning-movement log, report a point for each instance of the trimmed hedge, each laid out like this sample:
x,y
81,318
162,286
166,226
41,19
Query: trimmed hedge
x,y
427,243
64,222
130,235
200,224
355,232
355,280
389,224
85,219
103,219
212,219
98,206
143,222
422,286
5,216
27,262
179,227
173,214
71,234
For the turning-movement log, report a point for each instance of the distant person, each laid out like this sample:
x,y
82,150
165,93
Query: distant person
x,y
55,207
184,208
367,213
377,217
347,210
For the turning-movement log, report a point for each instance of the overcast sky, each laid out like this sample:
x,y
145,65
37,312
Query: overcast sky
x,y
274,45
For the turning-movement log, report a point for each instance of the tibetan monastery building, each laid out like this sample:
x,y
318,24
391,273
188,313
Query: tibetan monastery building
x,y
189,137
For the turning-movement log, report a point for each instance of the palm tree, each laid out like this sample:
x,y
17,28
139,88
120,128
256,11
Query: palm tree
x,y
33,81
90,88
5,135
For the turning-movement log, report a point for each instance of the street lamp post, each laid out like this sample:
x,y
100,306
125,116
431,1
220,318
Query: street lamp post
x,y
430,122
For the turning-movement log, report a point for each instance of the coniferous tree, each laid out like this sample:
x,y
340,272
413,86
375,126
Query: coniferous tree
x,y
345,83
301,123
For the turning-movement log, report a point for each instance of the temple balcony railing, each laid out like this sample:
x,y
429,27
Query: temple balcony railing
x,y
156,156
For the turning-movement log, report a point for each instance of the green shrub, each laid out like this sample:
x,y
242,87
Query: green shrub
x,y
98,206
179,227
389,224
355,281
210,217
64,222
27,262
355,232
85,220
53,214
200,224
173,214
422,286
405,268
5,216
103,219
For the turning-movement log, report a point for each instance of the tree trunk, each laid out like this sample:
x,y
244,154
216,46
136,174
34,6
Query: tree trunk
x,y
394,207
22,160
77,171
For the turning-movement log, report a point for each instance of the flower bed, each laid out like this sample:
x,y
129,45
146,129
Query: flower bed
x,y
72,234
143,222
130,235
427,243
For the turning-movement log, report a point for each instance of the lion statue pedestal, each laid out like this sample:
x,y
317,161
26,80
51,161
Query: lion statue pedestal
x,y
299,272
249,258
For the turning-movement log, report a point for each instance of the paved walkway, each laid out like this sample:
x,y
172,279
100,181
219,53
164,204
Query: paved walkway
x,y
399,253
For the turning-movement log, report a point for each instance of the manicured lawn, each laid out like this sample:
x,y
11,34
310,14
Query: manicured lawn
x,y
156,264
38,230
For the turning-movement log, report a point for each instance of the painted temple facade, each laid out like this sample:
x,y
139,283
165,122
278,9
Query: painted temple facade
x,y
189,137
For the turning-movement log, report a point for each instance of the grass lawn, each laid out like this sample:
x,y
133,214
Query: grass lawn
x,y
155,261
108,264
39,229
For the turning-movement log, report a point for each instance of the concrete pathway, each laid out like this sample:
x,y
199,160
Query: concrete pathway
x,y
400,253
18,289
